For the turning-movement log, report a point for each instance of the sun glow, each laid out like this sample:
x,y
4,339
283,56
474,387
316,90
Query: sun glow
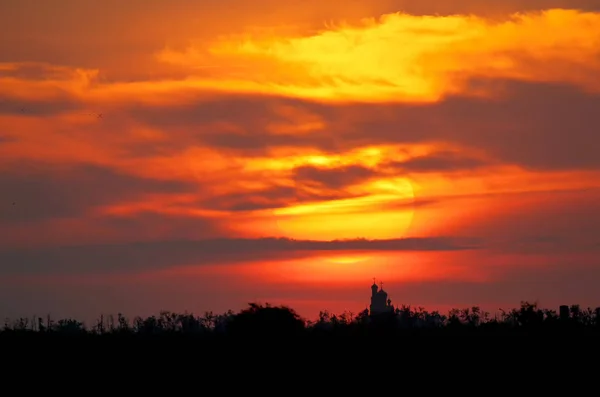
x,y
365,216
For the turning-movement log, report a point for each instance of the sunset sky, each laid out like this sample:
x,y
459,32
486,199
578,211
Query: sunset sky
x,y
199,155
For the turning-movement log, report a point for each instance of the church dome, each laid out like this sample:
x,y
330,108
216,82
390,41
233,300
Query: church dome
x,y
382,292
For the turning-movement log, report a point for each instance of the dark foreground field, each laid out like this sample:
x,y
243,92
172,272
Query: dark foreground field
x,y
524,350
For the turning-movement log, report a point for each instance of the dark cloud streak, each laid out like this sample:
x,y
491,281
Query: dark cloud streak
x,y
43,191
441,162
145,256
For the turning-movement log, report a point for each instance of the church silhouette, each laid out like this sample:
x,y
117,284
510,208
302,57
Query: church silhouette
x,y
380,303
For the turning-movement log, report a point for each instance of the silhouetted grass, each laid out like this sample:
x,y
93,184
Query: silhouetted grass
x,y
266,322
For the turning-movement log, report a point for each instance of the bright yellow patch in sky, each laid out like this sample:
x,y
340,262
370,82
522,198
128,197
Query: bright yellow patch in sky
x,y
402,57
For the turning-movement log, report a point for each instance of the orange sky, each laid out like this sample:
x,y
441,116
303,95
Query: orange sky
x,y
460,140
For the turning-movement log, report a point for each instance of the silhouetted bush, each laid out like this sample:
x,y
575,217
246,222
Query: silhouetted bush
x,y
265,321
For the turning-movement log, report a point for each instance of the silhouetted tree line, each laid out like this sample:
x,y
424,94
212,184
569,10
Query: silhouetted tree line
x,y
269,321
